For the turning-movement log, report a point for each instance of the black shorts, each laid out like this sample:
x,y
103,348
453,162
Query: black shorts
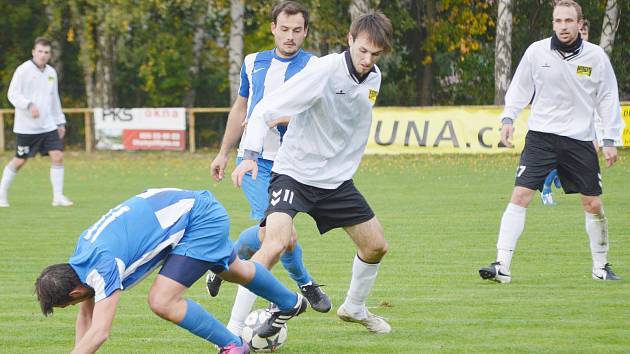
x,y
576,161
330,208
28,145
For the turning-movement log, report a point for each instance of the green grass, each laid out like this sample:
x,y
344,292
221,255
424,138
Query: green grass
x,y
440,214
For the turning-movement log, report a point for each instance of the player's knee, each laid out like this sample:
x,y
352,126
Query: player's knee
x,y
592,205
56,157
159,305
17,163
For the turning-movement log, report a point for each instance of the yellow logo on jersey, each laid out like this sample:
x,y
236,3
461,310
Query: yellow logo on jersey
x,y
51,78
372,96
584,70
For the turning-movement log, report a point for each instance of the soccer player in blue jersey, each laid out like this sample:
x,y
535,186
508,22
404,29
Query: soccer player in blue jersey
x,y
262,73
187,232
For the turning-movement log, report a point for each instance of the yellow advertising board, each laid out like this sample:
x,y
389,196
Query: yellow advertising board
x,y
470,129
465,129
625,114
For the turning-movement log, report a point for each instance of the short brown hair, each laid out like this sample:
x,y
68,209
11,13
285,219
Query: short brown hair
x,y
42,41
290,8
54,285
377,26
570,3
586,24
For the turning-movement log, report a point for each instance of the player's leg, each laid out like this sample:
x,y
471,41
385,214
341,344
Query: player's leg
x,y
258,197
580,173
166,300
371,248
8,175
258,280
53,146
26,146
537,160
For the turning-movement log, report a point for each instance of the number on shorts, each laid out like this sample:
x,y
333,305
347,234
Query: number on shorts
x,y
520,170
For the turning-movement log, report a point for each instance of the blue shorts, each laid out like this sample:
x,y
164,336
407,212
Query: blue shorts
x,y
257,192
207,237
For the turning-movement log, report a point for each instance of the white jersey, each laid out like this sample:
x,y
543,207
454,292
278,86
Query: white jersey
x,y
567,91
39,87
261,74
332,116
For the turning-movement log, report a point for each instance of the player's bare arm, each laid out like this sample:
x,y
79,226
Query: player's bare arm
x,y
84,319
233,131
102,319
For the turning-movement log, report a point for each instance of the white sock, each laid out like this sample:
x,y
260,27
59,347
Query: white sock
x,y
243,304
363,278
56,179
512,226
597,230
7,178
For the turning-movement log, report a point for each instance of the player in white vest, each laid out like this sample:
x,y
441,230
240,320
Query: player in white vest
x,y
573,80
261,74
39,124
330,102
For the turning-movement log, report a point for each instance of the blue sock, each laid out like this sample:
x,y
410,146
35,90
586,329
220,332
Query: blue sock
x,y
294,264
201,323
247,243
268,287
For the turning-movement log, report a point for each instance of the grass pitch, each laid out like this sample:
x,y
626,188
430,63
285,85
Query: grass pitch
x,y
441,217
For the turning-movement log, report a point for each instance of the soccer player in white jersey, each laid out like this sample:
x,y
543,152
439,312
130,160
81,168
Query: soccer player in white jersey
x,y
573,80
187,231
39,123
331,104
261,74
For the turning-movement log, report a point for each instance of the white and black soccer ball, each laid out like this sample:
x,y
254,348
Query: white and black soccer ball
x,y
256,343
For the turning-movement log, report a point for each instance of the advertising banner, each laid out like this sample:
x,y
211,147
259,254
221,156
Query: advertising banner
x,y
625,114
140,128
468,129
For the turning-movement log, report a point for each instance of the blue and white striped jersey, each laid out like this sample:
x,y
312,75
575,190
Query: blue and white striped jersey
x,y
132,239
262,73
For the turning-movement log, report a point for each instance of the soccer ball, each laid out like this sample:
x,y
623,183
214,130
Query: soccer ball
x,y
256,343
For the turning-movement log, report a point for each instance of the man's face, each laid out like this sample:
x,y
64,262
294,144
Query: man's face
x,y
288,33
566,24
363,52
41,54
584,32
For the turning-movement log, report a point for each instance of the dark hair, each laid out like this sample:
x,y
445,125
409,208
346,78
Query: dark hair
x,y
54,285
377,26
42,41
290,8
571,3
586,24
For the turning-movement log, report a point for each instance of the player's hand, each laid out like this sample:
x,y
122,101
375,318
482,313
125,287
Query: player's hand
x,y
217,168
507,133
61,130
610,154
242,168
34,111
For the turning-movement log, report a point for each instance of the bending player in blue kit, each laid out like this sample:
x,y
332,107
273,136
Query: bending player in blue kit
x,y
186,230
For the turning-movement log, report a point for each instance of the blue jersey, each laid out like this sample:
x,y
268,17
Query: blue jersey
x,y
262,73
132,239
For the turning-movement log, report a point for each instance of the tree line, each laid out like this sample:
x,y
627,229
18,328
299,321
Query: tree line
x,y
135,53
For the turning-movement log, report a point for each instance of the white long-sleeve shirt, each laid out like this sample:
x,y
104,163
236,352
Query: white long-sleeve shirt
x,y
332,115
30,85
568,92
